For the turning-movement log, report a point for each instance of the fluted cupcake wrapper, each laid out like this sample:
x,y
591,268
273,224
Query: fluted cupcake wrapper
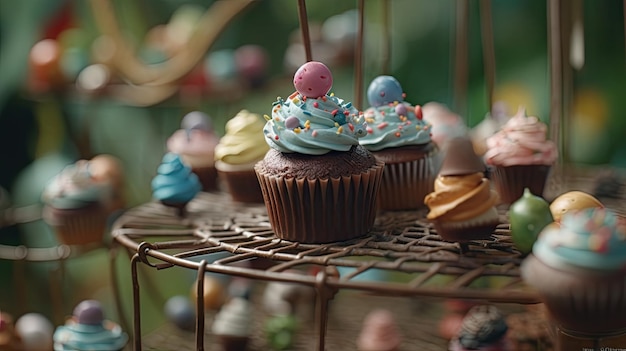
x,y
510,181
80,226
243,186
234,343
404,185
207,177
322,210
582,300
479,228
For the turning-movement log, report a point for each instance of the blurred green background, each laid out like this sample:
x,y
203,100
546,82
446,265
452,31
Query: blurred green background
x,y
44,129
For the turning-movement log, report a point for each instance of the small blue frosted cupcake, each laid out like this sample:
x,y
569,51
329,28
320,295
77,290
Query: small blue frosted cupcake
x,y
398,135
88,330
175,185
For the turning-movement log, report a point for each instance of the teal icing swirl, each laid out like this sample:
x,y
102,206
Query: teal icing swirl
x,y
313,126
174,181
592,238
75,336
386,128
74,188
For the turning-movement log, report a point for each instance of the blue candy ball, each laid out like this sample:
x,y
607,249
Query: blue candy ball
x,y
180,312
384,90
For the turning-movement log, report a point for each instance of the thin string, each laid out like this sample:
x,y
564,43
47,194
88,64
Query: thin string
x,y
461,56
358,58
489,55
556,72
304,28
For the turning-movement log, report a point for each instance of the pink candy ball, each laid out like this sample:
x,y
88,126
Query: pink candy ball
x,y
313,79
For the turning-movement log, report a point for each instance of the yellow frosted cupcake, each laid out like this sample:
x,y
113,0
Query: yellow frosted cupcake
x,y
242,146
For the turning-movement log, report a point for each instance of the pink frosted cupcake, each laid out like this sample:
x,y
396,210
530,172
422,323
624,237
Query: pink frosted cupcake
x,y
520,157
379,333
195,142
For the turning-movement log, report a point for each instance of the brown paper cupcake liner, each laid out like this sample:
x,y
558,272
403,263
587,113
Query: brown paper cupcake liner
x,y
580,300
243,186
322,210
234,343
404,185
207,177
462,231
510,181
77,226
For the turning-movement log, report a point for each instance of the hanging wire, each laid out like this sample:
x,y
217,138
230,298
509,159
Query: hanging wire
x,y
304,29
556,73
489,55
461,72
358,58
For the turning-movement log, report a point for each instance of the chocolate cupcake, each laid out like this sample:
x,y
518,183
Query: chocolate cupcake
x,y
578,269
319,185
398,136
520,157
239,150
462,207
483,329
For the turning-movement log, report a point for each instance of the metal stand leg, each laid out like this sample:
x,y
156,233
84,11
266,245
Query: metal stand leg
x,y
200,307
136,306
323,295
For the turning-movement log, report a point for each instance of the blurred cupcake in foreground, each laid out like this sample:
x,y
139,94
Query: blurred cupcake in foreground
x,y
462,207
520,157
398,136
195,142
446,125
379,333
578,269
174,185
9,340
88,330
238,151
483,329
79,200
233,324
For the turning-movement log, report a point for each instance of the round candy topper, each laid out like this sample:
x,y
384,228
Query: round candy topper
x,y
384,90
313,79
196,120
89,312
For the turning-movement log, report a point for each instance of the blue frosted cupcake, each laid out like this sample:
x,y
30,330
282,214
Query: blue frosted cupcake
x,y
87,330
398,136
319,185
175,184
579,269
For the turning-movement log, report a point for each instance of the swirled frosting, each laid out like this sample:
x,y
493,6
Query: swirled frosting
x,y
195,146
460,197
592,238
522,141
88,330
392,122
174,181
313,126
482,326
234,318
243,142
78,336
74,187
